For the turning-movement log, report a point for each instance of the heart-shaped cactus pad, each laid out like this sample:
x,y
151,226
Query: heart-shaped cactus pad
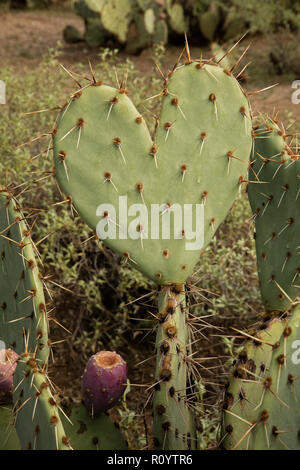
x,y
274,194
156,201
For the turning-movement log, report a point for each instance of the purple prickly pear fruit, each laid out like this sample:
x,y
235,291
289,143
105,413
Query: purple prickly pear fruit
x,y
8,364
103,381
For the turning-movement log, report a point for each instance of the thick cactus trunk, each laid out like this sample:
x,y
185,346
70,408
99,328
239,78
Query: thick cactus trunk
x,y
174,426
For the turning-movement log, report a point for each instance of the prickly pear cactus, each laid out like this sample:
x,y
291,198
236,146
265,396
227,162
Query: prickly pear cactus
x,y
116,17
36,415
23,320
274,195
261,398
103,153
178,22
209,22
108,163
261,410
24,327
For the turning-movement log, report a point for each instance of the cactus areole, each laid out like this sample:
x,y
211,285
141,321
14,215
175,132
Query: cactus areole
x,y
104,381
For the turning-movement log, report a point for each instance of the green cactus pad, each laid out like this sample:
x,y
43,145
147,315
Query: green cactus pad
x,y
177,20
24,328
8,436
160,35
262,402
116,17
274,194
219,53
251,365
103,150
37,416
138,37
98,433
22,301
149,19
95,34
208,23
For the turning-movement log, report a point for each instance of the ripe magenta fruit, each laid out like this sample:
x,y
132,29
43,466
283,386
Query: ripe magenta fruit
x,y
104,381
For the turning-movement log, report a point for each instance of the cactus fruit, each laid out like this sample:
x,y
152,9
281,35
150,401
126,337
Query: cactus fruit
x,y
104,381
8,364
274,194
